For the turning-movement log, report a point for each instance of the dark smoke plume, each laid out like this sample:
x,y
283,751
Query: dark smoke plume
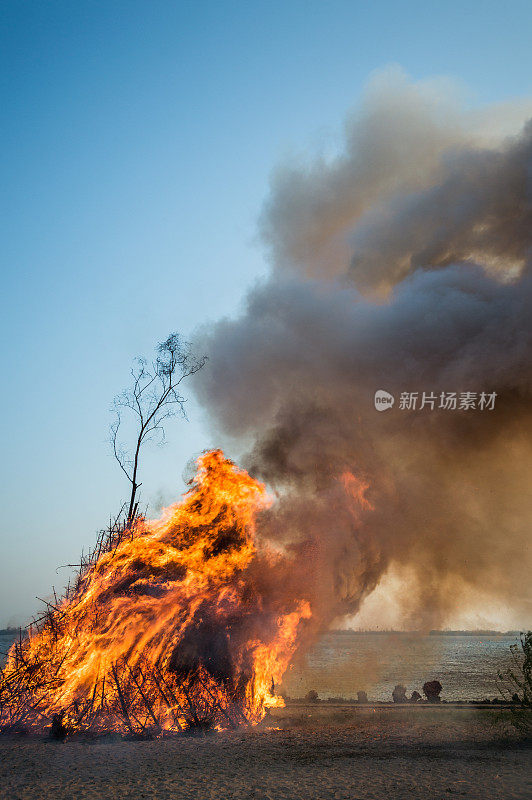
x,y
402,264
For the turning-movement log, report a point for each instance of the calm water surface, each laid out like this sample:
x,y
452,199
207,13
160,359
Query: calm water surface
x,y
341,664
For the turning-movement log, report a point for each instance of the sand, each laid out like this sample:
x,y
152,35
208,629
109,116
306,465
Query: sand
x,y
303,753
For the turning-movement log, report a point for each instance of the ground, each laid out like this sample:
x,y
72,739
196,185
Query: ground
x,y
302,753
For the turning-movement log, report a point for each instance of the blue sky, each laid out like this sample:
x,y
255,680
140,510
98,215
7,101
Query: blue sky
x,y
137,140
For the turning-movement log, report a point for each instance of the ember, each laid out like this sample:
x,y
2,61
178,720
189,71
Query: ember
x,y
164,630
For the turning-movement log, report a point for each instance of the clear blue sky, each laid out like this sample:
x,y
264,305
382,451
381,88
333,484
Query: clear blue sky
x,y
137,142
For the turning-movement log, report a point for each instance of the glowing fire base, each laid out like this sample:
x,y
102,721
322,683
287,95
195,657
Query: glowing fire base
x,y
164,630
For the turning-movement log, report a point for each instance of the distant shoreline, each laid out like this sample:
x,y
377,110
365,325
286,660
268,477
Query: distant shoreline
x,y
352,632
9,631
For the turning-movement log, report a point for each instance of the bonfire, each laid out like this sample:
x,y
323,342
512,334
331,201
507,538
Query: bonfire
x,y
164,630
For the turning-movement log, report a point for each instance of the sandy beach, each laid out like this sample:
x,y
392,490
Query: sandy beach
x,y
304,752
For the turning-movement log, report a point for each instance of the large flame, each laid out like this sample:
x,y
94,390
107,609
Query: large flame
x,y
166,629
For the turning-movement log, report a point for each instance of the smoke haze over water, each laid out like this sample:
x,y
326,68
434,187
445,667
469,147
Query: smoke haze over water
x,y
401,264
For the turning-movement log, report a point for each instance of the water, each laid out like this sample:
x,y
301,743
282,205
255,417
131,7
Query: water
x,y
342,663
6,640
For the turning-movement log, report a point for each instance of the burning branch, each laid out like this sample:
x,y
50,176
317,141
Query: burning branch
x,y
164,629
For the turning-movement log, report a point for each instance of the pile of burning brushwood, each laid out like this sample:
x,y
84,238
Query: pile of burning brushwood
x,y
163,630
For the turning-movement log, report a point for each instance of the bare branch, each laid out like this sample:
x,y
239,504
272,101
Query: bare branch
x,y
152,399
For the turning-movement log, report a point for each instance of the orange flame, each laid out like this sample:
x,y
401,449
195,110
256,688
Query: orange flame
x,y
165,630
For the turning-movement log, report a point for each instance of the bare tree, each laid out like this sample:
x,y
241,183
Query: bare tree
x,y
153,398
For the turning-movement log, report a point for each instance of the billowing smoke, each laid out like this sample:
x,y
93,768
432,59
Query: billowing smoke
x,y
403,264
